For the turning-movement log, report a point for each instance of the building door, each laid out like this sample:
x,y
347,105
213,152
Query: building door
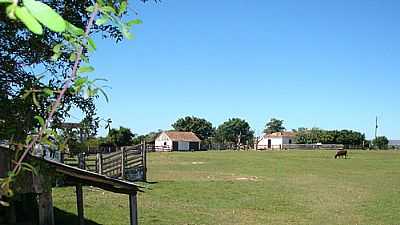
x,y
175,146
269,143
194,146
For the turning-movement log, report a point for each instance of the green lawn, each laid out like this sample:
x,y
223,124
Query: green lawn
x,y
274,187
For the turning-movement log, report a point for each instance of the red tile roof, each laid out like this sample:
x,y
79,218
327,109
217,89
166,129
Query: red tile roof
x,y
182,136
281,134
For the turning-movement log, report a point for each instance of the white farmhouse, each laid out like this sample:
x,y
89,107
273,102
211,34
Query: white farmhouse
x,y
276,140
177,141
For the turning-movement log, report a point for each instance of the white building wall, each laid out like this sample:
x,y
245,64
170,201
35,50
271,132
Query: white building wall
x,y
163,141
276,142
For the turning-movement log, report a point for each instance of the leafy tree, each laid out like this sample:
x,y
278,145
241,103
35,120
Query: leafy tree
x,y
316,135
150,137
201,127
120,137
381,142
230,130
274,125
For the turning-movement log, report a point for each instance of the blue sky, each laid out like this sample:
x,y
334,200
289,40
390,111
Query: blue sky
x,y
327,64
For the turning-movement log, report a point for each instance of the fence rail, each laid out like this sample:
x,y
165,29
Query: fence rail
x,y
302,146
127,163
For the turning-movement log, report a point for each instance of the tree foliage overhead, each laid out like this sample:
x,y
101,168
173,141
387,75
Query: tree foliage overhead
x,y
26,56
230,130
274,125
316,135
201,127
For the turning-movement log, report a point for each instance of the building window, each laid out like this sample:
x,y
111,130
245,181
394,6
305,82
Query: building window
x,y
290,141
165,143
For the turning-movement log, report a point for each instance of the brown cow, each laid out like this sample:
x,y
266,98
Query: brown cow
x,y
341,153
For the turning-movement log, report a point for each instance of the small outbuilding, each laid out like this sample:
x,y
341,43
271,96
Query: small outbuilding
x,y
276,140
177,141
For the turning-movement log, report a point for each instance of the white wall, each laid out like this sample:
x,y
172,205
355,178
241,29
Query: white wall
x,y
276,142
163,140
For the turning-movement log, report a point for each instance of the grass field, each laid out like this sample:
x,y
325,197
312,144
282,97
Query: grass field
x,y
296,187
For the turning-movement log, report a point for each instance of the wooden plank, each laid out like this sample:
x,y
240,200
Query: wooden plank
x,y
79,204
133,209
123,163
111,170
45,209
110,155
133,161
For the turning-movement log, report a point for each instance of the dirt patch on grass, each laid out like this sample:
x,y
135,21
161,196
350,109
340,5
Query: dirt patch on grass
x,y
251,178
198,163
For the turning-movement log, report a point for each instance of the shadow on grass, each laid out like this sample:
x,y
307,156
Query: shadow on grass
x,y
65,218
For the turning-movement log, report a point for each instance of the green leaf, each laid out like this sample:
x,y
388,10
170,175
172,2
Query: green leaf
x,y
104,94
57,48
30,22
40,119
90,9
108,9
92,45
86,69
103,20
46,15
5,1
134,22
122,8
29,167
56,56
72,57
72,29
10,11
80,81
35,101
5,204
48,91
126,33
26,94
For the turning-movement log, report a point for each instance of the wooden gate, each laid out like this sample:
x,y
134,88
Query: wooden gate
x,y
129,163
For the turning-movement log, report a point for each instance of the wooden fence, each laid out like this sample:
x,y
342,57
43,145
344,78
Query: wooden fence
x,y
302,146
128,163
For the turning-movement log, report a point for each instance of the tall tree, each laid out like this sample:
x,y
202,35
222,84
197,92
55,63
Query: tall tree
x,y
274,125
201,127
121,137
234,129
381,142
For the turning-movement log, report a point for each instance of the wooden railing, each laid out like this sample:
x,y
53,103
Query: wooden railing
x,y
127,163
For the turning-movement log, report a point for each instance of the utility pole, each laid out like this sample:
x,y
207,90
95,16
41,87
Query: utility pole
x,y
376,127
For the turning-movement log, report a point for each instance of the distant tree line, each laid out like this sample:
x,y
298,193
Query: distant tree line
x,y
316,135
235,133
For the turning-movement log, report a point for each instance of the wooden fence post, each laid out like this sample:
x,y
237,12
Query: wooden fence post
x,y
45,208
122,162
62,156
144,161
79,204
133,209
81,160
99,162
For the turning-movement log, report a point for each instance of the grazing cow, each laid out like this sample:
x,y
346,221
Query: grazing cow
x,y
341,153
